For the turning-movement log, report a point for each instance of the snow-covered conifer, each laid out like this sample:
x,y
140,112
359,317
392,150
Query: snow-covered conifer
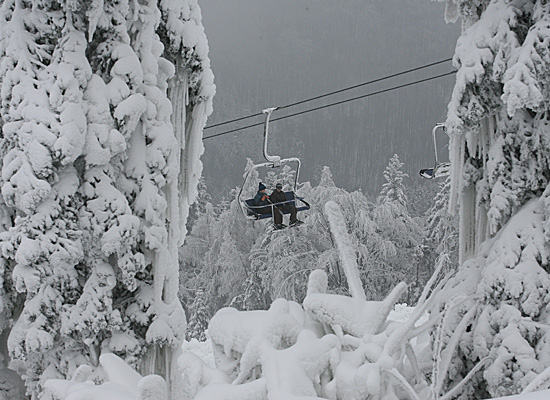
x,y
442,229
254,296
326,180
499,153
102,110
43,133
394,189
199,206
391,237
198,317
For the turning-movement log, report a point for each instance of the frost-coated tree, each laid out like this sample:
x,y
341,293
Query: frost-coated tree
x,y
198,317
393,237
193,253
283,262
498,119
102,109
442,229
253,296
394,189
199,206
285,176
215,255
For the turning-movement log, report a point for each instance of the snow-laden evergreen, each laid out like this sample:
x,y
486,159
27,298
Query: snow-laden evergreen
x,y
199,206
393,190
442,230
102,110
198,317
396,234
499,151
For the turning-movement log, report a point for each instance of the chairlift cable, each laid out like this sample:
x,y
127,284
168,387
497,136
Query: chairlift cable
x,y
233,120
335,92
334,104
365,83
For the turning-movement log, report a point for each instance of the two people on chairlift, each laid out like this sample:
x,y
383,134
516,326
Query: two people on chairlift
x,y
276,201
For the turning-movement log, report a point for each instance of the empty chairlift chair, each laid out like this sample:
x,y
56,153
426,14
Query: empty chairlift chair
x,y
440,169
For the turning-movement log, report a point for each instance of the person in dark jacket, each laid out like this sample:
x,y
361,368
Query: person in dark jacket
x,y
262,199
278,196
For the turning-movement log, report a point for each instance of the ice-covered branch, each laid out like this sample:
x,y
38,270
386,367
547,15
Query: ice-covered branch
x,y
346,251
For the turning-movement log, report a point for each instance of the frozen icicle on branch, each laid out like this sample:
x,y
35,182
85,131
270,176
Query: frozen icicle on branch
x,y
348,315
539,382
346,251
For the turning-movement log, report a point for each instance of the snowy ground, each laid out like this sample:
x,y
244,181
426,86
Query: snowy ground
x,y
202,350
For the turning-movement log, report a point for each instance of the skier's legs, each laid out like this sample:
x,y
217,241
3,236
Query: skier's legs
x,y
278,215
292,210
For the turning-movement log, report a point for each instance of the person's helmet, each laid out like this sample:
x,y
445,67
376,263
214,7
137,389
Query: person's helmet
x,y
279,185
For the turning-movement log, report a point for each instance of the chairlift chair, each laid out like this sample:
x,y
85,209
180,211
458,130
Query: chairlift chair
x,y
249,209
440,169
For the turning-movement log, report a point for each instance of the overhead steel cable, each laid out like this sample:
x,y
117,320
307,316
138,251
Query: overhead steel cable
x,y
233,120
335,92
334,104
366,83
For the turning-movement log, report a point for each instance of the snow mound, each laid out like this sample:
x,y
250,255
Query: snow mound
x,y
202,349
244,333
350,315
123,383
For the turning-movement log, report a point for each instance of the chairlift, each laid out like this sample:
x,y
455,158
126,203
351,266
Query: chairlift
x,y
249,209
440,169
